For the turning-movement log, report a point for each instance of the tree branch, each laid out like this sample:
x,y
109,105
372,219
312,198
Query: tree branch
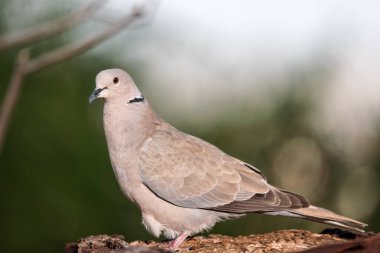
x,y
12,94
75,49
49,28
24,66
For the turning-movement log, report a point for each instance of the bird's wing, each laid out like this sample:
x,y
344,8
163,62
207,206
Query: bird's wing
x,y
189,172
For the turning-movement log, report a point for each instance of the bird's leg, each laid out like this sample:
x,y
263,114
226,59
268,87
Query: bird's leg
x,y
173,245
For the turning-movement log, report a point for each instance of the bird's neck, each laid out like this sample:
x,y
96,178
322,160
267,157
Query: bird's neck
x,y
128,125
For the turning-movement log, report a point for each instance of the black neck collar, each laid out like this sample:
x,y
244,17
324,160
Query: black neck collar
x,y
136,100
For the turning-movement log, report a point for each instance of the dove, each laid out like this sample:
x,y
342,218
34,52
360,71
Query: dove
x,y
182,184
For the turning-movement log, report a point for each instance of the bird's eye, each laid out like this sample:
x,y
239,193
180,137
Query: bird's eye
x,y
115,80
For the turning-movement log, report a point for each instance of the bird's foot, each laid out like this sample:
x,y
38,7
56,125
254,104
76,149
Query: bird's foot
x,y
173,245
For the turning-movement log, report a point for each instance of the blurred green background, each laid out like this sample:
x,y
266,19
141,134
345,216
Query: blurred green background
x,y
290,88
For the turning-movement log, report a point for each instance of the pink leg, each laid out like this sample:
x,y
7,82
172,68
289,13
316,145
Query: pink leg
x,y
175,243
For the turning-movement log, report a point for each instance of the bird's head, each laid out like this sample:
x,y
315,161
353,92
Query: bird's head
x,y
115,84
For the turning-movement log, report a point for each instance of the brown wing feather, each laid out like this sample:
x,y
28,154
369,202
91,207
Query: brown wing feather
x,y
274,200
190,172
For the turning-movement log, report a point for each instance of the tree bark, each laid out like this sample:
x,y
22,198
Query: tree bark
x,y
332,241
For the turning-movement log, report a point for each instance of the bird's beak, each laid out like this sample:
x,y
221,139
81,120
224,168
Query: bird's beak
x,y
95,94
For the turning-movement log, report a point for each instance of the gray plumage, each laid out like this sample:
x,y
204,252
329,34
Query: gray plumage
x,y
181,183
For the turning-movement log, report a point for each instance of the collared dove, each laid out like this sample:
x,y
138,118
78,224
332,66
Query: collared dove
x,y
182,184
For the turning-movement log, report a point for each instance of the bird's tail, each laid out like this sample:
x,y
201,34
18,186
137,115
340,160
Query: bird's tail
x,y
322,215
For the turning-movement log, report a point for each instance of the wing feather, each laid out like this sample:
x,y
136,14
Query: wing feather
x,y
189,172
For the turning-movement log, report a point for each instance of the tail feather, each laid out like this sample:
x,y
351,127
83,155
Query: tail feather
x,y
322,215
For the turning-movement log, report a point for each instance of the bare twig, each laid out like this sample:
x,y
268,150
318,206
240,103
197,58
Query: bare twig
x,y
75,49
49,28
12,94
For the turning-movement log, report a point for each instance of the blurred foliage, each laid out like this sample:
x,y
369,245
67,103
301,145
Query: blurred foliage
x,y
56,181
